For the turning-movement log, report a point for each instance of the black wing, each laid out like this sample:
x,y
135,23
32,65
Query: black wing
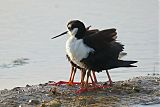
x,y
100,39
90,32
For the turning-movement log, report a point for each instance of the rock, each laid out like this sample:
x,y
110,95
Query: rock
x,y
55,91
33,102
151,101
136,89
25,105
53,103
16,89
28,85
51,81
4,91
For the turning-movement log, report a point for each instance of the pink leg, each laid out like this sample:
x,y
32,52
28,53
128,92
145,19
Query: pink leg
x,y
71,73
74,72
110,81
86,84
83,73
71,79
94,76
93,82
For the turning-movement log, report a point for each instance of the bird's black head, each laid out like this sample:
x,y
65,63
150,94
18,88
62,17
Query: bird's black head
x,y
76,28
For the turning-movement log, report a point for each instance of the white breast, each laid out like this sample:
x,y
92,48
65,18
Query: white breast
x,y
77,50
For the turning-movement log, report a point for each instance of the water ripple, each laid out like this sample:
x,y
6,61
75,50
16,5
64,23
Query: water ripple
x,y
15,63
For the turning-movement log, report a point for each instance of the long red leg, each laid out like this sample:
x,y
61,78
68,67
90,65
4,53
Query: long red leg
x,y
110,81
94,76
86,84
74,72
71,79
93,82
87,80
87,88
83,73
71,74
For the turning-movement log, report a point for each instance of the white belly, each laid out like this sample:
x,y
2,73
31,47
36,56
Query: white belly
x,y
77,50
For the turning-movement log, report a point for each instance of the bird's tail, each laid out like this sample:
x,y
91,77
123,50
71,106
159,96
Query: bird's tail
x,y
122,63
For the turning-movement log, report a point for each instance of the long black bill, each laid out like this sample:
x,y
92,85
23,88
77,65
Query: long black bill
x,y
59,35
87,28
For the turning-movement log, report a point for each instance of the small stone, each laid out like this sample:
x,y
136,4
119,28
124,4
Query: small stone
x,y
54,91
45,84
50,81
28,85
33,102
40,84
16,89
54,103
43,105
25,105
139,81
136,89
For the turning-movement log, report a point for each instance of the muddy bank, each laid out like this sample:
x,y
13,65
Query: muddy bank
x,y
139,90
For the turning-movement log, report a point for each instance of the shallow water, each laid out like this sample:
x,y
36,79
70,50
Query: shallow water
x,y
26,28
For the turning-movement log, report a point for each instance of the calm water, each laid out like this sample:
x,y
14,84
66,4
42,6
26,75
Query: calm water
x,y
29,56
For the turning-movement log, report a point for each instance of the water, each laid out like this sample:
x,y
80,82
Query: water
x,y
29,56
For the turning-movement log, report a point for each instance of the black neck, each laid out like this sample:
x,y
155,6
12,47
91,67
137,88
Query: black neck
x,y
80,34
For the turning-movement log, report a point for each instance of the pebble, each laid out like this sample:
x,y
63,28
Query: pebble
x,y
28,85
33,102
53,103
25,105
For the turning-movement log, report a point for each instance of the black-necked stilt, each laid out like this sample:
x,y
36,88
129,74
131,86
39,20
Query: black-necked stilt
x,y
74,66
96,52
83,71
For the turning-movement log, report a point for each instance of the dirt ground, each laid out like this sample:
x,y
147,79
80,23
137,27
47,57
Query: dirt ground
x,y
143,90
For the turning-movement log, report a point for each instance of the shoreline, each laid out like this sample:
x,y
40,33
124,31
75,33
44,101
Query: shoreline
x,y
142,90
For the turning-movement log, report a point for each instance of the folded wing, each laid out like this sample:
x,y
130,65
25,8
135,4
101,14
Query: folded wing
x,y
100,39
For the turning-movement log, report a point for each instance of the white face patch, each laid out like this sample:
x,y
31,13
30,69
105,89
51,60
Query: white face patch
x,y
73,32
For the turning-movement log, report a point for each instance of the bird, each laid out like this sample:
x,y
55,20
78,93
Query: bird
x,y
83,71
74,67
98,51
